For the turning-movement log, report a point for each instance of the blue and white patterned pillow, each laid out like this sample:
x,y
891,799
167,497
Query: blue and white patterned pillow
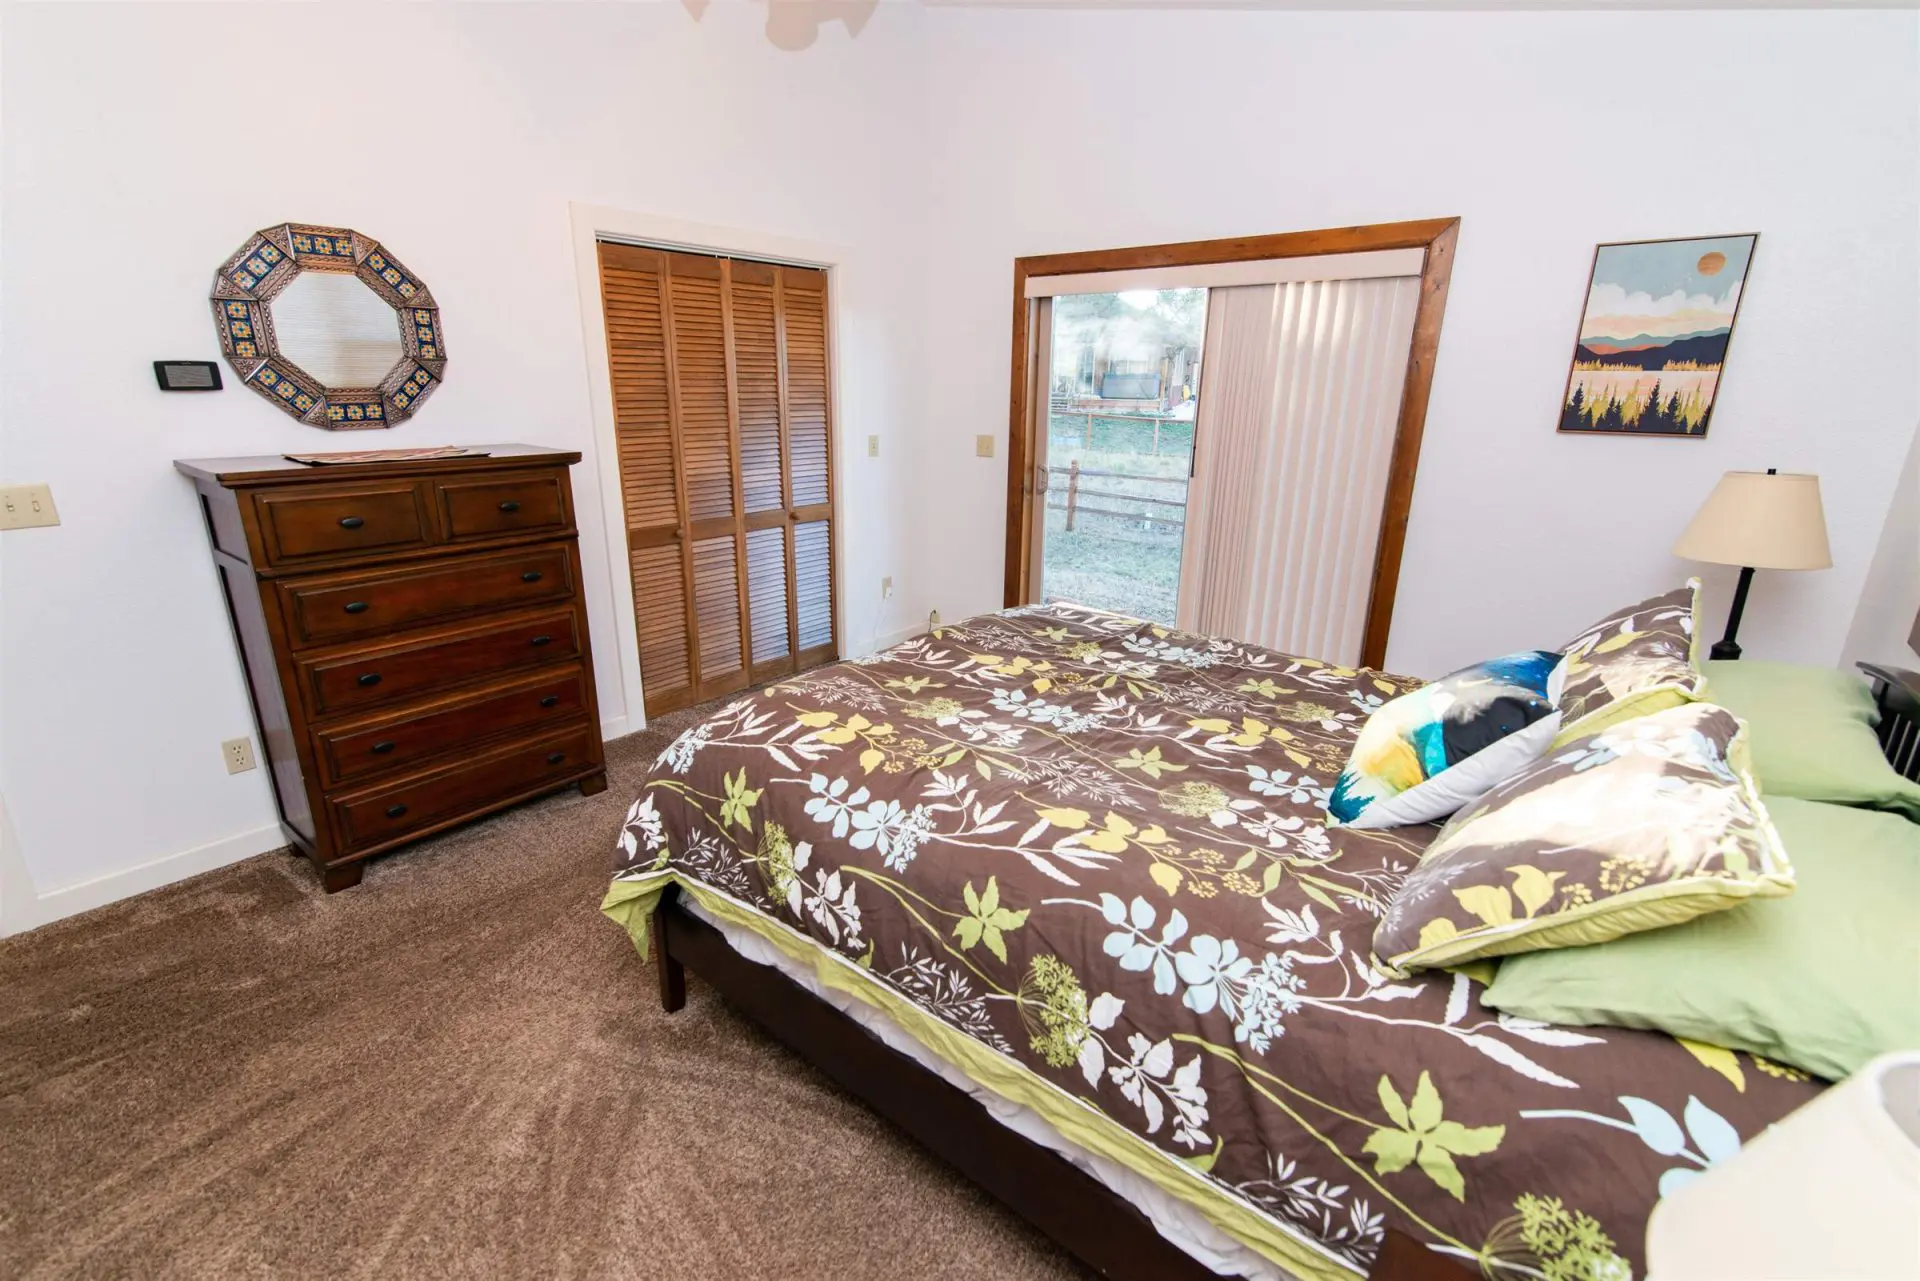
x,y
1427,753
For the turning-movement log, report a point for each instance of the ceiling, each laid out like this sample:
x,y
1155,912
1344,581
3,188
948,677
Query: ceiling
x,y
1435,6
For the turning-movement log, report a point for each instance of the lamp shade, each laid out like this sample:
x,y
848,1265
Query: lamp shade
x,y
1828,1192
1760,519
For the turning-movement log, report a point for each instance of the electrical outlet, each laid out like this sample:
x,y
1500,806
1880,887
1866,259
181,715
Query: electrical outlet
x,y
25,506
873,446
239,754
983,446
886,588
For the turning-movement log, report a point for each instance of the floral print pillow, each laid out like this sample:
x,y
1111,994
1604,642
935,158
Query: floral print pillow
x,y
1649,822
1635,660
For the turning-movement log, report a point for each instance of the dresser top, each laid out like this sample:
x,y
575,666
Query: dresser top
x,y
280,470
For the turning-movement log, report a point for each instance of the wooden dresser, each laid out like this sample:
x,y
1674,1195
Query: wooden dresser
x,y
414,636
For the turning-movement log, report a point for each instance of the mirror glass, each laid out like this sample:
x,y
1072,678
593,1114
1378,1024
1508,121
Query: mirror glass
x,y
337,329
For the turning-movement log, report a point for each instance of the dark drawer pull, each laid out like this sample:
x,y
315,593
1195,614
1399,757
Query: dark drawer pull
x,y
371,678
509,506
542,640
551,700
356,607
395,811
383,747
554,758
532,576
351,522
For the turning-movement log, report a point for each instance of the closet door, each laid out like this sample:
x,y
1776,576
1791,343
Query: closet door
x,y
722,410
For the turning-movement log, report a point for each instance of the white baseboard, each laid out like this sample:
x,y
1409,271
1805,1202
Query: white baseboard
x,y
52,905
22,910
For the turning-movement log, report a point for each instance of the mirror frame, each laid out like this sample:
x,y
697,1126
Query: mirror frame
x,y
270,261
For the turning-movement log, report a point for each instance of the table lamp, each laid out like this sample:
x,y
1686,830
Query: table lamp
x,y
1757,520
1829,1192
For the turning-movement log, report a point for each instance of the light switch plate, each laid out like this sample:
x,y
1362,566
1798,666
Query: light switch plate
x,y
983,446
24,506
873,446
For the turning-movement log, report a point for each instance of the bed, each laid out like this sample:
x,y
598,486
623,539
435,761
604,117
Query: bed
x,y
1069,871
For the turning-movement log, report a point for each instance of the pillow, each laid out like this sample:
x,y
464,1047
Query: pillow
x,y
1433,749
1811,733
1647,823
1635,660
1824,980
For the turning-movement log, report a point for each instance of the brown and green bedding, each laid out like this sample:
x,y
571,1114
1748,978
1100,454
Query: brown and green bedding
x,y
1085,859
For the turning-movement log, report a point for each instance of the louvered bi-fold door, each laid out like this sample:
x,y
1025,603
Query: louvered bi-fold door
x,y
722,408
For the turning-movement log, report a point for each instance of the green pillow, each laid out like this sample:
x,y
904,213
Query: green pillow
x,y
1823,980
1810,733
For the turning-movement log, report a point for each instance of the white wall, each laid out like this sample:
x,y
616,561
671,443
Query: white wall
x,y
144,143
1884,625
1546,133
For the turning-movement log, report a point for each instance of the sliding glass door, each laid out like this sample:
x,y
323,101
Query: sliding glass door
x,y
1272,508
1115,453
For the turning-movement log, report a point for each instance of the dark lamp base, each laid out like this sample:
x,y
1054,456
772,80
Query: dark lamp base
x,y
1725,648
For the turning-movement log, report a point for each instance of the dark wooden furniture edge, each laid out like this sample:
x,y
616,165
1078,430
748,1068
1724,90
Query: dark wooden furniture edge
x,y
1436,235
1897,693
242,470
1402,1258
256,573
345,871
1077,1211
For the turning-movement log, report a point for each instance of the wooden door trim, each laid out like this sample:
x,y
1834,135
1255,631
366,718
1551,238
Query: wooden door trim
x,y
1405,459
1435,235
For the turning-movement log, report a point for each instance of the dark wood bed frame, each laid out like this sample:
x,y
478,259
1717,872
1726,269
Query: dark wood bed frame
x,y
1896,691
1079,1212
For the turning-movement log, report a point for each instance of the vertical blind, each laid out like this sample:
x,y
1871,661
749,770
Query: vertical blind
x,y
1294,443
722,411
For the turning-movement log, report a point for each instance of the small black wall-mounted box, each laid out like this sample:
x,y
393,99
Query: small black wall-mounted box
x,y
187,375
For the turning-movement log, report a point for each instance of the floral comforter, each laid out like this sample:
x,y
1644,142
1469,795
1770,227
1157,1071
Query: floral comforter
x,y
1095,848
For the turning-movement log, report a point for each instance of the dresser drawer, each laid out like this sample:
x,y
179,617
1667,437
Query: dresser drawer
x,y
364,749
341,521
376,816
342,607
516,503
369,676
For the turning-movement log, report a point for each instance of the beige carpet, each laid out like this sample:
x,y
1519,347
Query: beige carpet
x,y
457,1069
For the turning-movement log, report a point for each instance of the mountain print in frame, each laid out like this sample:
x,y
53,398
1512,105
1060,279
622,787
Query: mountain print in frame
x,y
1654,335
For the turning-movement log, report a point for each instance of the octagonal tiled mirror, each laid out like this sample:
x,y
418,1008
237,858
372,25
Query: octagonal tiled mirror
x,y
323,322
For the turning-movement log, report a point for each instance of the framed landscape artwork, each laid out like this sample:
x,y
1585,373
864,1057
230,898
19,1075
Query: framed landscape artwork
x,y
1654,335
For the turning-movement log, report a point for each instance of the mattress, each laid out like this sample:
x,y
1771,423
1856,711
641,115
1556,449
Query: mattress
x,y
1083,861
